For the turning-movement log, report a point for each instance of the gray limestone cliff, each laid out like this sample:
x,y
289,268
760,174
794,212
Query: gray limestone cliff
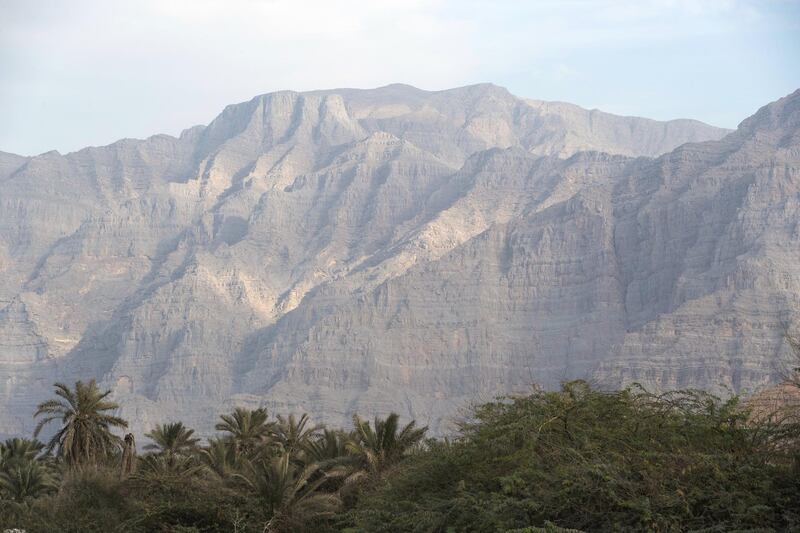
x,y
398,249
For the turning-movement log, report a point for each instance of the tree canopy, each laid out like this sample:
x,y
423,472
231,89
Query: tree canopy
x,y
571,460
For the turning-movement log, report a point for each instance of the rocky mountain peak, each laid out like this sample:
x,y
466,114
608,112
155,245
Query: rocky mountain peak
x,y
777,122
372,250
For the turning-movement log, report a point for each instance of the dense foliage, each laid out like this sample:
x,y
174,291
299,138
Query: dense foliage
x,y
573,459
582,459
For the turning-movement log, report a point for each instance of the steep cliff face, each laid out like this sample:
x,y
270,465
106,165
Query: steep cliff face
x,y
397,249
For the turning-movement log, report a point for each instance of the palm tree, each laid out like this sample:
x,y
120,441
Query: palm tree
x,y
17,449
127,464
294,435
172,439
247,428
290,493
85,433
331,451
26,478
22,475
167,466
221,457
331,445
383,445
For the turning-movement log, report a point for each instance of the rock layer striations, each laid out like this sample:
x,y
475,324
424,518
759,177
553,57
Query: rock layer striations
x,y
398,249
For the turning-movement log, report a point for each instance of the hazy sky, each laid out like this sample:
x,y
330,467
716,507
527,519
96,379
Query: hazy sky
x,y
88,72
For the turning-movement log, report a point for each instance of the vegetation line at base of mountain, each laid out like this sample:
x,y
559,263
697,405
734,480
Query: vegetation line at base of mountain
x,y
577,459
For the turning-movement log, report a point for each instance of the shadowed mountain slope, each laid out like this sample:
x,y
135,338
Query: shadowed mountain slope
x,y
398,249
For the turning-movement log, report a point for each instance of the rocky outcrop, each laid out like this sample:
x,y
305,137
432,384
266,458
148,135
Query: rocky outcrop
x,y
398,249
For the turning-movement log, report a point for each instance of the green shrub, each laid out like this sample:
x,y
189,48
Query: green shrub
x,y
597,461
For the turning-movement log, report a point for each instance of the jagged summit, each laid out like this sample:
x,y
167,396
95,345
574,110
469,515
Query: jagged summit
x,y
776,120
359,250
452,123
402,100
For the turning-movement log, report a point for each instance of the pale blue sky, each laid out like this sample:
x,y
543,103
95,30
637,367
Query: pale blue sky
x,y
75,73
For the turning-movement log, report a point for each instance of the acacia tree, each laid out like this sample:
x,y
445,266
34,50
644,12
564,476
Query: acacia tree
x,y
85,434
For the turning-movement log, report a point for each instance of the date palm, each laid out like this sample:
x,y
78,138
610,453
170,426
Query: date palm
x,y
247,428
383,443
85,433
172,439
221,457
22,475
26,478
289,493
330,445
294,434
331,450
17,449
166,467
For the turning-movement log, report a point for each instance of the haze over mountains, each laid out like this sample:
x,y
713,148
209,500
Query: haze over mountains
x,y
398,249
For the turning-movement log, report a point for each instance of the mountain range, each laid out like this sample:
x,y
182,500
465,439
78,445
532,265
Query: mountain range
x,y
402,250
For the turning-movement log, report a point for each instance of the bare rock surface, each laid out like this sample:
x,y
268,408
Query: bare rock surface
x,y
398,249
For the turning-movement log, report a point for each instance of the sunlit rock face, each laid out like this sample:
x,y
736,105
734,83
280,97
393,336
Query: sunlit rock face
x,y
398,250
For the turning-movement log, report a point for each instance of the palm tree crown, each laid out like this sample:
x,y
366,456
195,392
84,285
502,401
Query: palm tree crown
x,y
289,492
383,444
330,445
22,474
248,428
174,438
13,450
221,457
85,433
294,434
26,478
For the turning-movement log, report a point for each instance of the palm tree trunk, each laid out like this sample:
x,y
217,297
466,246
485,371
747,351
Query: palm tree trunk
x,y
128,465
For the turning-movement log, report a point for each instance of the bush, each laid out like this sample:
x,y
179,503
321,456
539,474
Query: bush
x,y
565,461
592,460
